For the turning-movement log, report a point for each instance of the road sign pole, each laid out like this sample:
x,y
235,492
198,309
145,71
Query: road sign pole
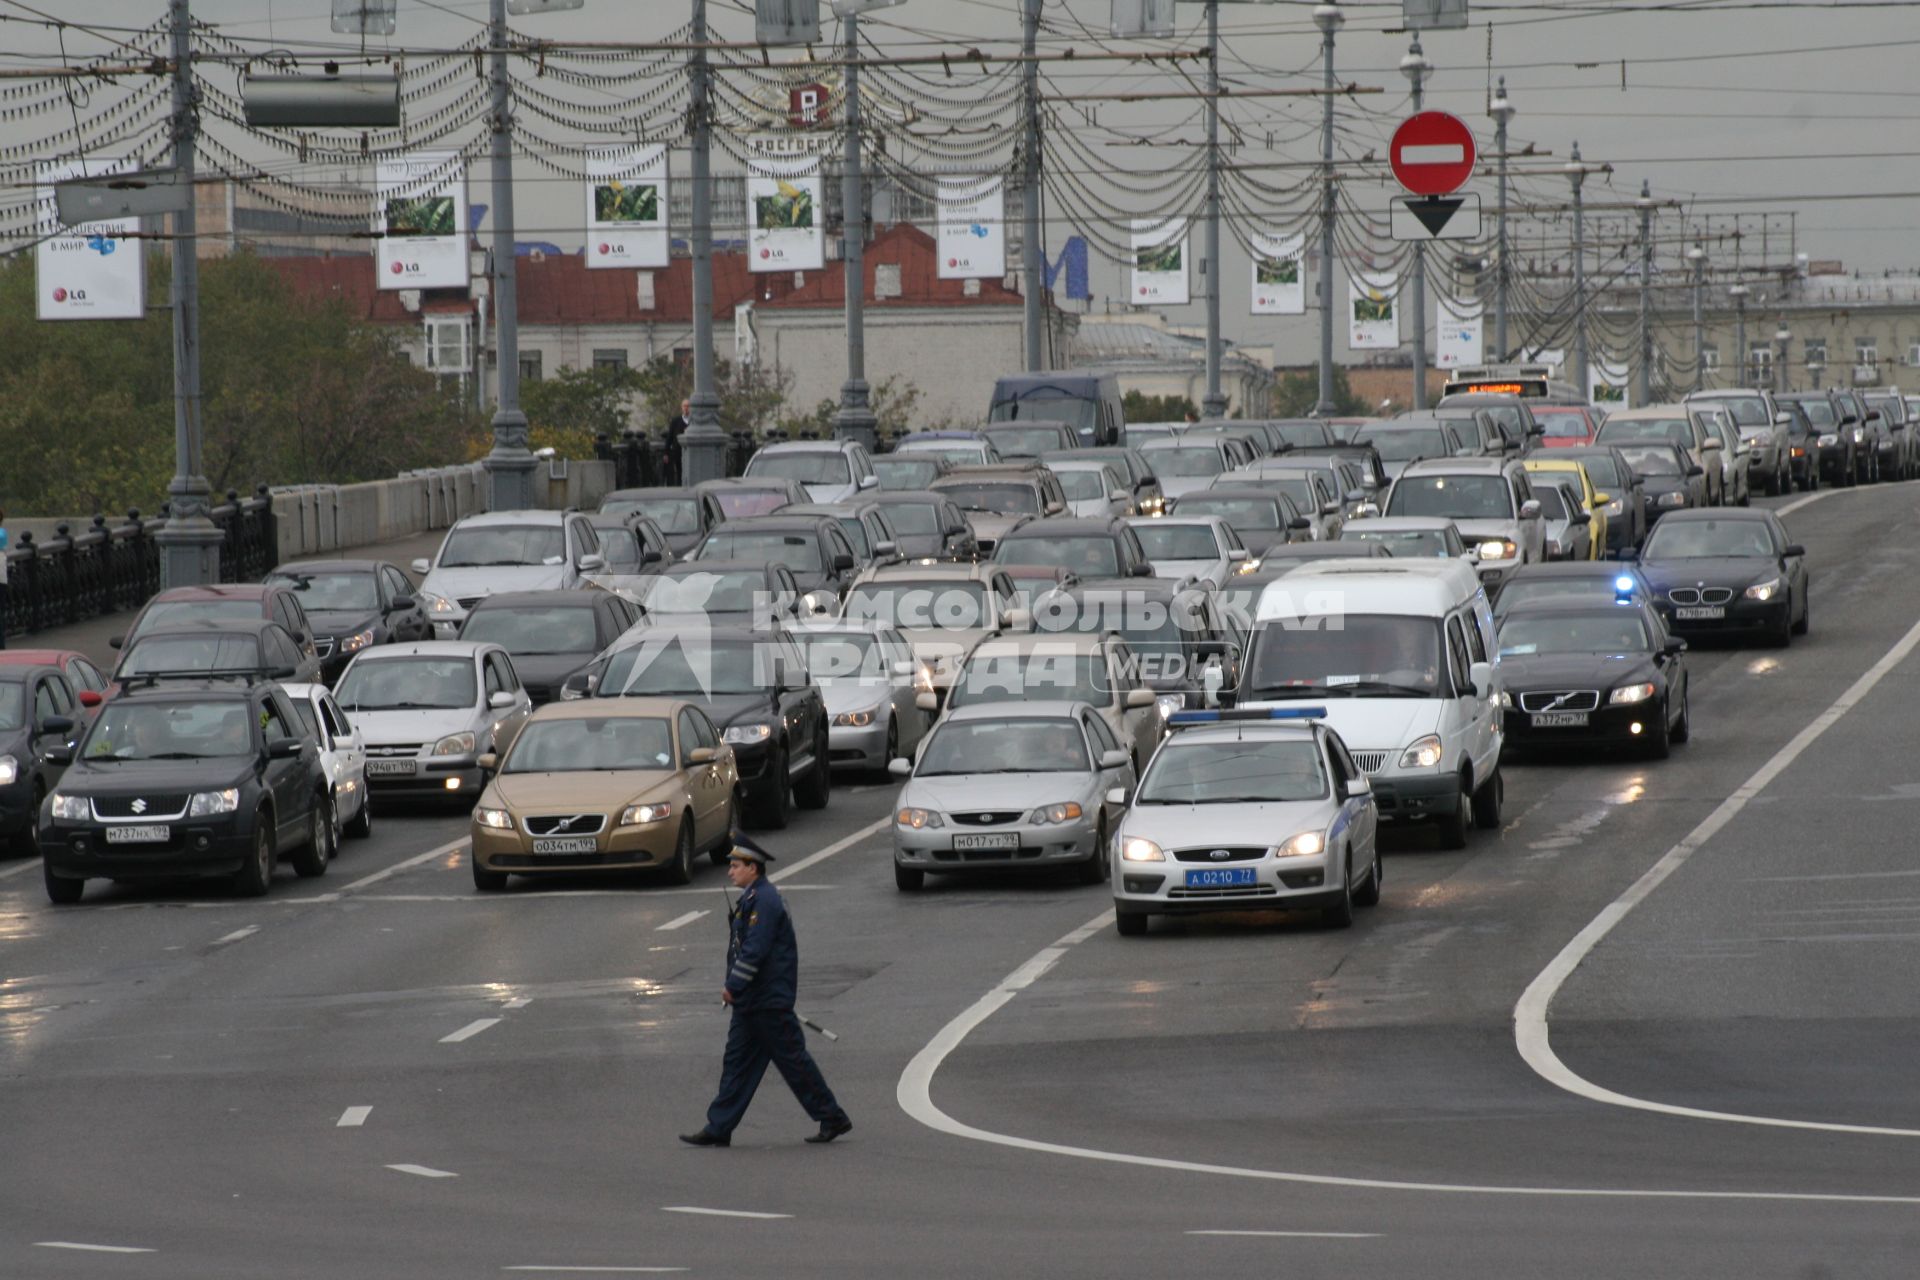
x,y
1645,203
1329,19
1501,109
1578,174
1032,256
1215,403
509,464
855,421
1415,66
703,447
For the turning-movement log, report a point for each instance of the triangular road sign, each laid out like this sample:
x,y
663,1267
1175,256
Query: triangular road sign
x,y
1435,211
1434,217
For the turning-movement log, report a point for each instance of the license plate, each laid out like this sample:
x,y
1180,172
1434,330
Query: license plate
x,y
1558,719
566,844
1693,612
986,842
392,768
138,835
1221,878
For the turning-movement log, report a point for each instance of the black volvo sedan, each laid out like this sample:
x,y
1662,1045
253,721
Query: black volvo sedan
x,y
1585,672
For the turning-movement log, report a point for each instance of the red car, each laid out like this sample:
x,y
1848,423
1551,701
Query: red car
x,y
88,684
1568,425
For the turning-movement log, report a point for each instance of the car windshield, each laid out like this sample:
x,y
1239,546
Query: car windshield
x,y
1024,442
1521,591
919,605
13,707
598,745
1611,631
857,535
806,466
1082,485
1052,672
1401,542
1096,557
1552,500
413,683
673,515
733,591
131,730
1299,488
487,546
1708,539
1747,411
1004,746
1002,499
1241,513
1461,497
1361,655
843,656
163,612
959,452
1164,541
1675,430
689,668
1561,422
1601,469
919,519
1076,413
620,547
1234,772
906,473
738,504
1406,444
192,653
1116,459
1820,413
1186,461
353,592
798,551
1303,435
1649,460
528,632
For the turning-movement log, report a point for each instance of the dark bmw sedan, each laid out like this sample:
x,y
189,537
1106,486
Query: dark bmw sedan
x,y
551,634
1727,572
353,605
1581,672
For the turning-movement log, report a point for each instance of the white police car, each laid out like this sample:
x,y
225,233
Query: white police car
x,y
1247,810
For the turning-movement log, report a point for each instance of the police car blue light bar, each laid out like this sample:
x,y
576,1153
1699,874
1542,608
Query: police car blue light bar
x,y
1183,718
1623,583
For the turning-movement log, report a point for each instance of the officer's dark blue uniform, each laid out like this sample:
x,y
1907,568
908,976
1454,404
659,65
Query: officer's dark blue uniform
x,y
763,972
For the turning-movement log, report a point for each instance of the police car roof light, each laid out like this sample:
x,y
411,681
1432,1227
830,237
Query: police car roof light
x,y
1185,719
1623,583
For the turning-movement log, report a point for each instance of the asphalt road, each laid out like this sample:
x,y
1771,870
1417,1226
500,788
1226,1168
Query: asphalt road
x,y
381,1073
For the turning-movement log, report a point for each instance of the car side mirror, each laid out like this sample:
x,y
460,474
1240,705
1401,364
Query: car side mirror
x,y
282,673
1298,523
90,698
1357,496
702,755
592,562
60,754
283,749
1794,549
651,556
1674,648
1480,676
927,701
1238,555
900,768
56,724
1873,415
1580,517
1020,619
1138,698
400,603
1369,510
869,482
1602,499
1359,785
488,761
423,566
116,641
842,563
1118,795
956,531
1530,509
1695,471
500,699
886,550
904,667
579,684
1714,444
1329,508
1783,419
1143,571
1115,759
1054,508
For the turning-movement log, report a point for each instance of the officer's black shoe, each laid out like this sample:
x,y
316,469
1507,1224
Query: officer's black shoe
x,y
831,1129
705,1139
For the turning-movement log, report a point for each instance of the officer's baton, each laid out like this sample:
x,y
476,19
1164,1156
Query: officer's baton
x,y
805,1021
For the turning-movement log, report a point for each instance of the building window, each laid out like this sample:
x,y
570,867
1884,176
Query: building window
x,y
1816,350
1709,356
447,350
683,357
531,366
1760,356
1866,351
610,358
1913,355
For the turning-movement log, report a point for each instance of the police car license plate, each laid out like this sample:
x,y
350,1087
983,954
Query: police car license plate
x,y
1008,841
566,844
1557,719
1690,613
391,768
1221,878
138,835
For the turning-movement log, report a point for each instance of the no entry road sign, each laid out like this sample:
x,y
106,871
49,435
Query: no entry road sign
x,y
1432,153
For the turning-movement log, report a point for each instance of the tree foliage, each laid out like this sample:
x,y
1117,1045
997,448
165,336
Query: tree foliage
x,y
1138,407
1297,393
893,400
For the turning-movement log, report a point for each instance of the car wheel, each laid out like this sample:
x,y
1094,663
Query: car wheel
x,y
1094,869
1487,801
893,745
1683,727
484,880
61,890
1340,914
1130,924
362,825
680,870
908,879
1455,828
1805,624
1368,894
1656,737
773,801
252,879
322,831
720,852
1746,494
813,791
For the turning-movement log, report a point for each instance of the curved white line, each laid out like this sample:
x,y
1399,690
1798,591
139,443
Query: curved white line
x,y
914,1094
1530,1032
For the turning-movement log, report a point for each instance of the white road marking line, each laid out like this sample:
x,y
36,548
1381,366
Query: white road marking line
x,y
30,864
398,867
1808,500
844,843
1296,1235
90,1248
236,935
508,899
720,1213
471,1030
1530,1032
518,1002
421,1171
1847,875
914,1093
681,922
620,1270
353,1117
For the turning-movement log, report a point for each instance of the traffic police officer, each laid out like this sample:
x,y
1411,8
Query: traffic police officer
x,y
763,971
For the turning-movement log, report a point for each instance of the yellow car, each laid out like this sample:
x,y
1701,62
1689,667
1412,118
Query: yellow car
x,y
602,784
1582,483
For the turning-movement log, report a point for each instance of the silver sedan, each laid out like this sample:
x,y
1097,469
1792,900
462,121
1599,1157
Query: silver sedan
x,y
868,677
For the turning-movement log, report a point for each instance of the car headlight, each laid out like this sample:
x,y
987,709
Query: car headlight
x,y
1858,435
748,734
852,719
918,819
1503,700
1628,694
1764,591
454,744
1499,549
639,815
439,604
1675,499
1048,814
1153,506
1614,508
357,641
1308,844
922,678
1755,437
1553,546
1135,849
497,819
1168,703
1248,566
206,804
1424,754
1828,440
72,808
9,771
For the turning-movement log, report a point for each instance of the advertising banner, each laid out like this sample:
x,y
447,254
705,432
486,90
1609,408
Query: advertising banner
x,y
627,208
1459,335
1279,275
84,272
1373,311
973,228
1159,264
1607,383
785,215
422,221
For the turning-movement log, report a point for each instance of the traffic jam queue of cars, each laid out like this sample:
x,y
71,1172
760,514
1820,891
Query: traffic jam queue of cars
x,y
1201,666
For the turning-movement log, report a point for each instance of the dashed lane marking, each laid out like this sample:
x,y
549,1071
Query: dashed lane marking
x,y
353,1117
681,922
471,1030
721,1213
1296,1235
90,1248
236,935
421,1171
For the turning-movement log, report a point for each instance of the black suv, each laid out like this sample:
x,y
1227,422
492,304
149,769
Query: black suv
x,y
1090,549
755,687
189,778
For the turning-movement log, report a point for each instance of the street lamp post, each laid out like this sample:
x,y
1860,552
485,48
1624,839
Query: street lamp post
x,y
1577,175
703,448
1781,338
1329,19
855,420
1645,205
1698,257
509,464
1215,403
1814,369
1415,68
1738,292
1502,111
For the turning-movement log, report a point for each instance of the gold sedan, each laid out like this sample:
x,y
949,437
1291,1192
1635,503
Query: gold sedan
x,y
603,784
